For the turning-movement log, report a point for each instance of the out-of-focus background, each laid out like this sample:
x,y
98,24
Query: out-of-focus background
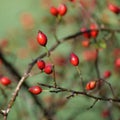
x,y
19,25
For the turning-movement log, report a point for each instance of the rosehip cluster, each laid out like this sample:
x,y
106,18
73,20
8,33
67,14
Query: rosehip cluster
x,y
86,34
92,33
61,10
47,68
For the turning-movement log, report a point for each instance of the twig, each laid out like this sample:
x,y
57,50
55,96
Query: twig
x,y
81,78
54,76
110,86
80,93
93,104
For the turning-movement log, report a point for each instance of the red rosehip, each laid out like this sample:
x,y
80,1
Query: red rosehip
x,y
85,43
5,81
59,60
93,32
114,8
62,9
91,85
105,113
117,63
41,64
116,52
35,90
48,69
72,0
74,60
54,11
4,43
85,34
27,20
42,38
107,74
90,55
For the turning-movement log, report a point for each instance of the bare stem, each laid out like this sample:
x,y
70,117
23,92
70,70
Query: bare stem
x,y
81,78
15,93
54,77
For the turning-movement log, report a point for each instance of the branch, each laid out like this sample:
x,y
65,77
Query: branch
x,y
30,66
61,89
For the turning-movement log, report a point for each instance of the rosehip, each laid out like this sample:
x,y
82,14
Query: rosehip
x,y
90,55
35,90
54,11
107,74
4,43
117,63
5,81
41,38
74,60
85,43
27,20
59,60
85,34
48,69
41,64
114,8
72,0
91,85
105,113
93,32
62,9
116,52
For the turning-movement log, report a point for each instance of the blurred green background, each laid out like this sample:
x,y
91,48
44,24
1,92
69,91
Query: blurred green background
x,y
19,24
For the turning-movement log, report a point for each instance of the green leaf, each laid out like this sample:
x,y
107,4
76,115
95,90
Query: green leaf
x,y
102,44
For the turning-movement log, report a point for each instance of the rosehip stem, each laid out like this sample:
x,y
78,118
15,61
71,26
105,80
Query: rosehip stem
x,y
54,77
46,90
81,78
48,53
59,19
56,38
93,104
36,73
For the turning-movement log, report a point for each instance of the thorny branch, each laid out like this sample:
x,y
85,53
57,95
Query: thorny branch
x,y
30,66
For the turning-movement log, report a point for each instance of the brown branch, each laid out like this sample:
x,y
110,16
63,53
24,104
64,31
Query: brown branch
x,y
80,93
